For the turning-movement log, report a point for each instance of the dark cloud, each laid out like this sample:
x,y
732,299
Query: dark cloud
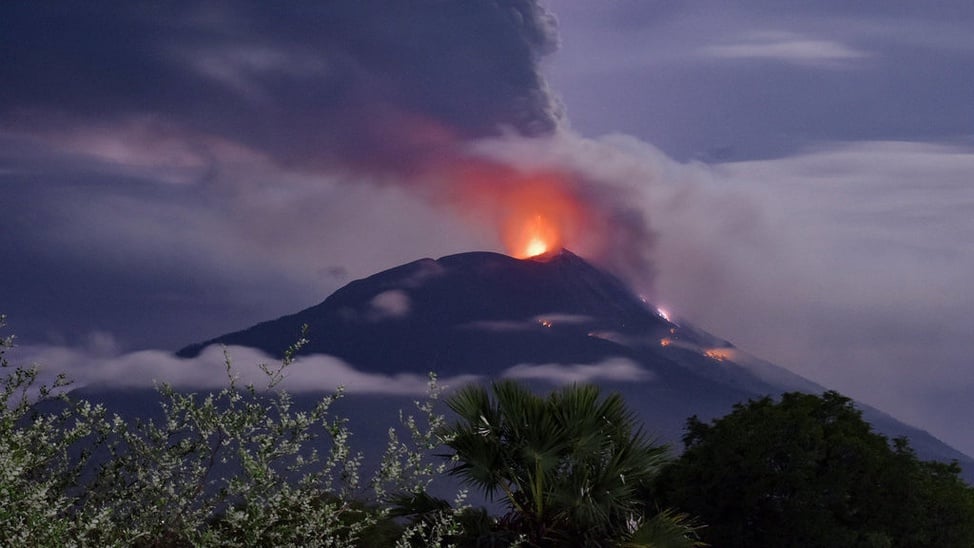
x,y
162,164
369,81
89,244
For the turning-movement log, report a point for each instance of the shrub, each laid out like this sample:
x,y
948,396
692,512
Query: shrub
x,y
240,466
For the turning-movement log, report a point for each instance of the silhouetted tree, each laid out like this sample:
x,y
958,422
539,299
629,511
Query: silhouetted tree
x,y
809,471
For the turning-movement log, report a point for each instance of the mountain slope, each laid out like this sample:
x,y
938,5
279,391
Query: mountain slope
x,y
550,319
476,312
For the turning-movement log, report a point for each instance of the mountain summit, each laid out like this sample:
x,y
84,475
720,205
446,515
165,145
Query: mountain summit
x,y
549,319
472,312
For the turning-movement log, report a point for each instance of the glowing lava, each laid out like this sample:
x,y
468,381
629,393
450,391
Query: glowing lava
x,y
537,238
535,247
719,354
539,215
535,212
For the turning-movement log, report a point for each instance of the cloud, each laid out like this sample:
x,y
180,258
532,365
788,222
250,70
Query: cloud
x,y
243,242
849,265
611,369
500,325
634,187
148,368
230,145
424,270
374,83
553,318
787,47
144,148
390,304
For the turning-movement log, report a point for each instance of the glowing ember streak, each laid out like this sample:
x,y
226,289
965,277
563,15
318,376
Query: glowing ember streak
x,y
719,354
663,313
546,323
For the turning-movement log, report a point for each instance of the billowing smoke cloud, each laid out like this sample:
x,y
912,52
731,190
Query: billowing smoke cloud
x,y
367,83
154,152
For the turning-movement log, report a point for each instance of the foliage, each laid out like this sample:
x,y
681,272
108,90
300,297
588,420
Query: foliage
x,y
568,467
35,467
809,471
246,466
238,467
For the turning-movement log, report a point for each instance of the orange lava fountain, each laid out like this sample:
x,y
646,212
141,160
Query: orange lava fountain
x,y
535,213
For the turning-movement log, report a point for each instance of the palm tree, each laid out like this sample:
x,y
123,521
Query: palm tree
x,y
569,468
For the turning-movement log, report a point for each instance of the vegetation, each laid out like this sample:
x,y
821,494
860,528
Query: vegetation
x,y
809,471
243,466
568,467
239,467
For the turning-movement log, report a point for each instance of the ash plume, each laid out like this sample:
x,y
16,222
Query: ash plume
x,y
237,136
366,83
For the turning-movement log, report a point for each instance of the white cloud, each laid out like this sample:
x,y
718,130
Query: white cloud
x,y
317,373
500,325
787,48
142,147
387,305
241,67
425,270
558,318
611,369
854,271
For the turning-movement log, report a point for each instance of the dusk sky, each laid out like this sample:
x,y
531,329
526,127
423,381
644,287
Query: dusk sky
x,y
795,177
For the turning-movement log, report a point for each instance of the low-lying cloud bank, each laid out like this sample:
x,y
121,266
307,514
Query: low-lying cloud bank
x,y
92,367
611,369
99,365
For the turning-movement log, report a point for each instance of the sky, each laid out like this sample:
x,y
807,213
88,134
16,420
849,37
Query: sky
x,y
793,177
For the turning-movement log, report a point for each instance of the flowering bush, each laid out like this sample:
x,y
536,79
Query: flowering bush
x,y
237,467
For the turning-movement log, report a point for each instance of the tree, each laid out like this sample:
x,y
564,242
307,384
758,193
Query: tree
x,y
809,471
568,468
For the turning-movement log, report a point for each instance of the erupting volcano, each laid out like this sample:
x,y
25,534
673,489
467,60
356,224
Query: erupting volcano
x,y
551,321
534,213
538,238
540,214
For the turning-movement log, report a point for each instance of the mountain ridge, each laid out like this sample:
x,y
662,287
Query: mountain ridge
x,y
540,319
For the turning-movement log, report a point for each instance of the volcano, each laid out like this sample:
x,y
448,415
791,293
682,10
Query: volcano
x,y
547,320
473,312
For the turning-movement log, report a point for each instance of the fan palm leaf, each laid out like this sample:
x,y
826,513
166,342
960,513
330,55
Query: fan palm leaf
x,y
568,467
